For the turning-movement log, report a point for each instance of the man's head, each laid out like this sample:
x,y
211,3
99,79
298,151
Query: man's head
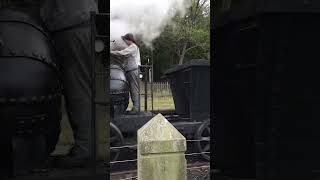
x,y
128,38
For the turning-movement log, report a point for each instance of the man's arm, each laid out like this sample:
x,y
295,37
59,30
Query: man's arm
x,y
125,52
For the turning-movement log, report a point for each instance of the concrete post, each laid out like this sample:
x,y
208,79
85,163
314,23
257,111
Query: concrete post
x,y
161,151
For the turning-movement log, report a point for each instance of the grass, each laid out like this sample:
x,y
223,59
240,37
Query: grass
x,y
159,102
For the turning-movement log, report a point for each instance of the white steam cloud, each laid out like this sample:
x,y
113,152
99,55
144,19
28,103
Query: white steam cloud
x,y
146,19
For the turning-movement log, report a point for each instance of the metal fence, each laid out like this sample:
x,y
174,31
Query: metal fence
x,y
159,88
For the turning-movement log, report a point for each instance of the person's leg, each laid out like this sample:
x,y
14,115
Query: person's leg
x,y
133,79
74,46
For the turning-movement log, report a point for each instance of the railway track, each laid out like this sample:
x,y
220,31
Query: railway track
x,y
128,158
197,170
126,167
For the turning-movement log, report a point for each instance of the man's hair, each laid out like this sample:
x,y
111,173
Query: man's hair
x,y
130,37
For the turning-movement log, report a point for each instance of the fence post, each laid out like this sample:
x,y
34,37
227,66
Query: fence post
x,y
161,151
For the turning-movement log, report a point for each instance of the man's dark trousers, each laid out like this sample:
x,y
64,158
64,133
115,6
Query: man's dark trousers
x,y
74,47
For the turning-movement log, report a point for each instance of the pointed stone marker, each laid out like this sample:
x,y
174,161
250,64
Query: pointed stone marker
x,y
161,151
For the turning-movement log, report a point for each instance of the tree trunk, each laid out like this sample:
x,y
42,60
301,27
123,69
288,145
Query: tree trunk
x,y
183,53
171,59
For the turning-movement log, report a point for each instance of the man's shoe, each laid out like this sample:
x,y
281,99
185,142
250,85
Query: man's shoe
x,y
133,112
77,157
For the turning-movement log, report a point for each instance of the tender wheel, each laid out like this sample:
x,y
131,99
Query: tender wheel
x,y
116,140
203,134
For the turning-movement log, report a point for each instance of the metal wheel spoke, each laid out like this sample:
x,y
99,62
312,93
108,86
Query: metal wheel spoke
x,y
115,150
115,140
208,130
206,148
114,154
203,134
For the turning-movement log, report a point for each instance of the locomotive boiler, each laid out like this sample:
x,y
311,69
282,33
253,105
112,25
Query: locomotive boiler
x,y
119,87
29,89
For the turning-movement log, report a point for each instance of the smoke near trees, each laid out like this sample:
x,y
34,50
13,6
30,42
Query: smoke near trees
x,y
144,18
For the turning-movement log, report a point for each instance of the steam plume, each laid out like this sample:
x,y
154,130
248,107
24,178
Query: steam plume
x,y
146,19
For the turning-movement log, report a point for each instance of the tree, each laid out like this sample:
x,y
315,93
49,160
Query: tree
x,y
185,38
191,32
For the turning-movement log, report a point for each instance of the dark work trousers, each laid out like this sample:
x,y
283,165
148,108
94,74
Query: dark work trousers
x,y
74,47
134,85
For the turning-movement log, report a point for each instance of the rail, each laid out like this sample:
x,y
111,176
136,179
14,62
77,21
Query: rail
x,y
132,174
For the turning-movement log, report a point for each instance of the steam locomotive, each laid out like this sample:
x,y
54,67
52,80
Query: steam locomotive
x,y
30,89
30,94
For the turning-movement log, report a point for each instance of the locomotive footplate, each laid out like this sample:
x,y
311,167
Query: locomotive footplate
x,y
131,123
187,128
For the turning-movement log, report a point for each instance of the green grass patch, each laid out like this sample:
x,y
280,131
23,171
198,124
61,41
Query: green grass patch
x,y
159,102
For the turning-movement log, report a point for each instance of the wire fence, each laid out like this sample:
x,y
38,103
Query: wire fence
x,y
135,160
135,146
133,176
